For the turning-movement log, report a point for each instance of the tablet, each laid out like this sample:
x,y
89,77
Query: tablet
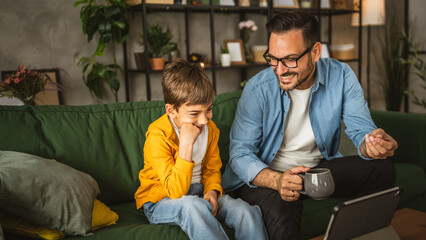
x,y
364,215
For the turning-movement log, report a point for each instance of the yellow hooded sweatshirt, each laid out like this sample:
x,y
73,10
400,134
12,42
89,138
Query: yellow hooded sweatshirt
x,y
165,174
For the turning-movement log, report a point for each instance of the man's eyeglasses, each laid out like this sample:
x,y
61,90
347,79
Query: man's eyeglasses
x,y
287,62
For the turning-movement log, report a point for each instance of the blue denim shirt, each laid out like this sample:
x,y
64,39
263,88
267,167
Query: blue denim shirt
x,y
258,127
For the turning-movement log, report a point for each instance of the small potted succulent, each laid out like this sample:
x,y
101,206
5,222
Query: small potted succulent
x,y
225,57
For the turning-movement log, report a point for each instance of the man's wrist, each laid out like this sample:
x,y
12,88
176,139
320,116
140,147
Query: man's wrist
x,y
363,149
267,178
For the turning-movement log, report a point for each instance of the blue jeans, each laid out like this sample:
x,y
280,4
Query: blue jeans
x,y
195,216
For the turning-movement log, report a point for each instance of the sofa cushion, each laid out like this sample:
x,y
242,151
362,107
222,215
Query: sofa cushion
x,y
46,192
101,140
412,179
134,225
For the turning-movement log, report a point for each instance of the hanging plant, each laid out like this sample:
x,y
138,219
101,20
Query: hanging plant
x,y
108,22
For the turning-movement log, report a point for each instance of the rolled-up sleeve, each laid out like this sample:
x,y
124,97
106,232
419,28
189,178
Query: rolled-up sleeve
x,y
356,114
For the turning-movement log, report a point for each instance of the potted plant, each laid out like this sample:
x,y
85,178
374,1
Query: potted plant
x,y
395,65
25,84
225,57
420,66
108,21
159,45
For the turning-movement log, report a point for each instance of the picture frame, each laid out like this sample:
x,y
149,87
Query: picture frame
x,y
236,50
49,97
286,3
227,2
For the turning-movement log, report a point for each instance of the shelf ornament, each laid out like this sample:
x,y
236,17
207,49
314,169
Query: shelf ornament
x,y
246,28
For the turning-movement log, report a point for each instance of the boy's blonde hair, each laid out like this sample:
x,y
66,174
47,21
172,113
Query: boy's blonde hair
x,y
186,83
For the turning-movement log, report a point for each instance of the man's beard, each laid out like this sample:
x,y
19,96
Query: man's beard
x,y
299,81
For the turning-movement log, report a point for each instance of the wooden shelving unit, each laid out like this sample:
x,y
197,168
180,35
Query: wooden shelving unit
x,y
144,9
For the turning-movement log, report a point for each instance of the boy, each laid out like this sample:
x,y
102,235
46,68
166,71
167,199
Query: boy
x,y
181,179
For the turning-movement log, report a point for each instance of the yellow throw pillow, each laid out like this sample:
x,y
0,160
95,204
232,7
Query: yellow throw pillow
x,y
17,226
102,216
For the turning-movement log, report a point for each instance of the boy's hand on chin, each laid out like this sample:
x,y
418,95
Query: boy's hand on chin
x,y
211,197
189,132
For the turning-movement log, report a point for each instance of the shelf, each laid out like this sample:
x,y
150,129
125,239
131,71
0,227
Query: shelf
x,y
212,10
324,11
348,60
233,9
236,9
171,8
242,66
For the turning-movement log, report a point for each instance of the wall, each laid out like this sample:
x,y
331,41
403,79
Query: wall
x,y
416,14
394,10
47,34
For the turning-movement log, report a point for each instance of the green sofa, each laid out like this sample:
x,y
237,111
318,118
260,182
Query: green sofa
x,y
106,142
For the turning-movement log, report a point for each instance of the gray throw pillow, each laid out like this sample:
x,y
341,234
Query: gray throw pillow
x,y
47,192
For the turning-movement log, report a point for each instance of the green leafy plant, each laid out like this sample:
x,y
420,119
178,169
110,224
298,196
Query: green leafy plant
x,y
420,66
108,21
159,41
223,50
395,64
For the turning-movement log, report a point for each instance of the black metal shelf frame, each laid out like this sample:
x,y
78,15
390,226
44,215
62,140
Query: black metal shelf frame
x,y
211,10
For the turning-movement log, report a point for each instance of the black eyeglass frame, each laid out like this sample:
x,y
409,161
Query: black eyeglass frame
x,y
266,53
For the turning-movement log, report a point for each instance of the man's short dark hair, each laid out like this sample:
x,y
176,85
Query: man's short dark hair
x,y
295,20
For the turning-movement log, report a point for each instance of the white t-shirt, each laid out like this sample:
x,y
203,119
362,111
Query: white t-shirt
x,y
298,146
198,151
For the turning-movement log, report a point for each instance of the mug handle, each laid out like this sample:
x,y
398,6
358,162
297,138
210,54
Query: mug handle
x,y
302,175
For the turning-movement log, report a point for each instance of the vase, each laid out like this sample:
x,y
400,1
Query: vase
x,y
247,54
29,100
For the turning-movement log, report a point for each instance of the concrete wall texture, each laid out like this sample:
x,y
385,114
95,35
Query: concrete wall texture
x,y
48,34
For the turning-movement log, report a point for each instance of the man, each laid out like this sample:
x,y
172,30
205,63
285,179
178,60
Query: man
x,y
288,121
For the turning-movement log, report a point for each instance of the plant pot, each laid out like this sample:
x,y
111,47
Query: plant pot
x,y
157,63
225,59
140,60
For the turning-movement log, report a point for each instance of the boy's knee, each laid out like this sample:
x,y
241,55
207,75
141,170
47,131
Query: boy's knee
x,y
239,207
195,204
